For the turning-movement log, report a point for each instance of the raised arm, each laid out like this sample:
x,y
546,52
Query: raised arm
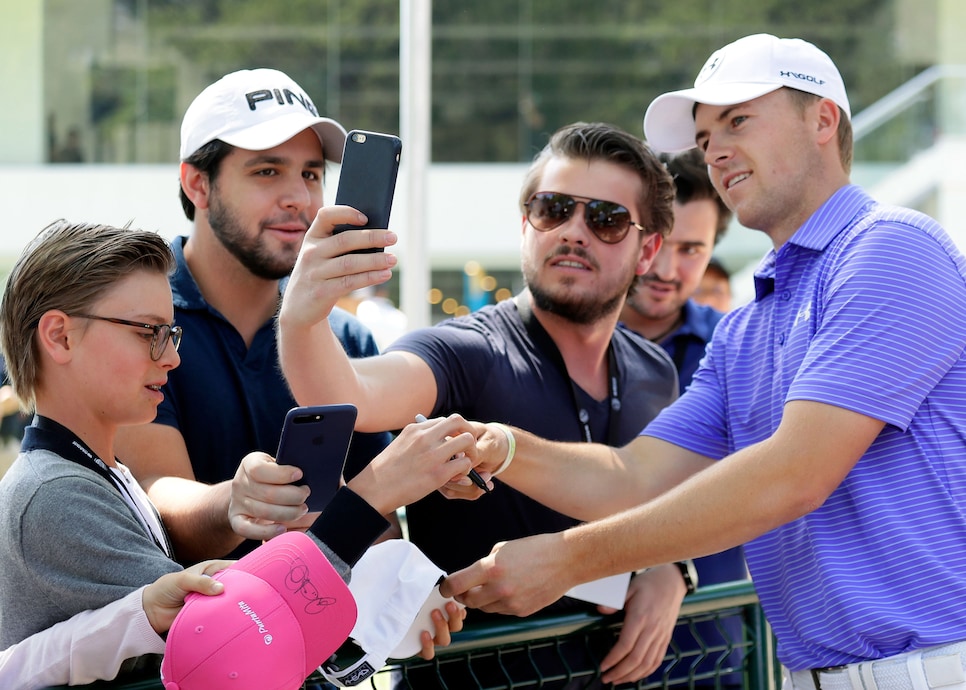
x,y
388,389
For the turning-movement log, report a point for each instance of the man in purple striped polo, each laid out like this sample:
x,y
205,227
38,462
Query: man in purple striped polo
x,y
826,428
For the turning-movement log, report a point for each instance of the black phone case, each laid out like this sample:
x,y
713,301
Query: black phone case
x,y
316,440
367,181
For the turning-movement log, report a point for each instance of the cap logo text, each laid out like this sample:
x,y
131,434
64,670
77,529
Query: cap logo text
x,y
357,675
800,76
280,96
248,611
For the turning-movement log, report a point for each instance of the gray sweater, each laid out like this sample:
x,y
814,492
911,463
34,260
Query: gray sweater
x,y
68,543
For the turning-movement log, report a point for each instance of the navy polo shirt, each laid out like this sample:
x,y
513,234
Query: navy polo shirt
x,y
227,399
686,345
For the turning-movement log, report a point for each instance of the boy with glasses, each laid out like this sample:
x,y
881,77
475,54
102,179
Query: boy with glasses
x,y
594,206
87,334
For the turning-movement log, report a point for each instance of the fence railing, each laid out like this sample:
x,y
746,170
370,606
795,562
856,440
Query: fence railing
x,y
523,653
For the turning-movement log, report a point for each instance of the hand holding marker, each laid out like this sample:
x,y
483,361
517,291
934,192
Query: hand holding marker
x,y
473,474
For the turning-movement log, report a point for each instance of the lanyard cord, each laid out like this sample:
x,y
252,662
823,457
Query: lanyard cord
x,y
46,434
545,343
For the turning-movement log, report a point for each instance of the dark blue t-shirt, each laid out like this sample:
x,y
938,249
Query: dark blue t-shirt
x,y
488,368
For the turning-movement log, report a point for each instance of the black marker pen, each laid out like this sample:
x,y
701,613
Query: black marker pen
x,y
473,474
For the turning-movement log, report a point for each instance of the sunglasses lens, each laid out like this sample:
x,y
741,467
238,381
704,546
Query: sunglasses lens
x,y
607,220
545,211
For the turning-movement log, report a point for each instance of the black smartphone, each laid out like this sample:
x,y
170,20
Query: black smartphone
x,y
316,440
367,181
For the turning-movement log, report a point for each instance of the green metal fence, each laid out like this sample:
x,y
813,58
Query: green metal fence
x,y
491,651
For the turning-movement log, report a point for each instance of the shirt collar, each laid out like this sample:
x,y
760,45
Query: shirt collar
x,y
831,218
699,321
184,289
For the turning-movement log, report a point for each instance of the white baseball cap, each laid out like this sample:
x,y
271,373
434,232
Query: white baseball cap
x,y
256,109
742,71
396,588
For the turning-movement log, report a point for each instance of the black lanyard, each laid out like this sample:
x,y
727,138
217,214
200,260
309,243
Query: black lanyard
x,y
680,351
46,434
545,343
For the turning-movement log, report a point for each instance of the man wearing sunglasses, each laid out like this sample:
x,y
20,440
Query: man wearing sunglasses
x,y
594,206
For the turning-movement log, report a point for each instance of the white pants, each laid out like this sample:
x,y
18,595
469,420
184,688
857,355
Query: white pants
x,y
941,667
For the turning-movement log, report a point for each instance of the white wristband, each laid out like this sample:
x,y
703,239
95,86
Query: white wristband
x,y
512,447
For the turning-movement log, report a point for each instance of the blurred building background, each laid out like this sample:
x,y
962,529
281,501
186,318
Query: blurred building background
x,y
94,92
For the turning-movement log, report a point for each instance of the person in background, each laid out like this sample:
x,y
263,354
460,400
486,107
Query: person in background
x,y
593,208
660,307
254,153
715,287
826,427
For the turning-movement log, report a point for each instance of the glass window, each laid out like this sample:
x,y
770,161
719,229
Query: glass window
x,y
118,74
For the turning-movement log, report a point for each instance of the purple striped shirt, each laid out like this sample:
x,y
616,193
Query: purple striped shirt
x,y
863,308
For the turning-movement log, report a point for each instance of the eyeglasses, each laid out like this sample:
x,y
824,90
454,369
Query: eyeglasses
x,y
162,332
608,221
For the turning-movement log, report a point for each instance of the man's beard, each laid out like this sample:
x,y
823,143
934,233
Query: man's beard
x,y
575,309
248,250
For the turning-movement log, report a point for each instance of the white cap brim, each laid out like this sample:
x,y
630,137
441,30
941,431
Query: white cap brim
x,y
396,589
271,133
669,119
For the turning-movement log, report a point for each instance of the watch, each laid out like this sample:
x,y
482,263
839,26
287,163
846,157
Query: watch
x,y
689,573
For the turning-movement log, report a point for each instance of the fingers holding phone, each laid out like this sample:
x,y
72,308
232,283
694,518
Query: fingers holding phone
x,y
367,180
334,262
262,501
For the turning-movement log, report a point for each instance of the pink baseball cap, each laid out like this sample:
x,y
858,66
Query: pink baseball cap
x,y
256,109
742,71
283,612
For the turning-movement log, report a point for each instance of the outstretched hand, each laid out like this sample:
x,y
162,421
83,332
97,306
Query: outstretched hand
x,y
518,577
491,452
